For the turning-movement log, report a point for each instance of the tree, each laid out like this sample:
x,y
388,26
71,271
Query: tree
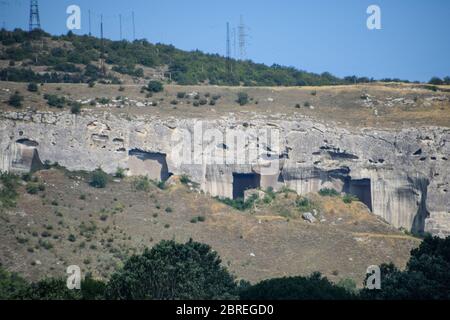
x,y
155,86
32,87
75,108
447,80
426,275
51,289
15,100
314,287
436,81
99,179
242,98
12,286
173,271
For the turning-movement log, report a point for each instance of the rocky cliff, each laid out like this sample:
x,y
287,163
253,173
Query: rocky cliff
x,y
401,175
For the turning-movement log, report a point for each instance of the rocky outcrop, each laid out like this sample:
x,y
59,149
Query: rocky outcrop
x,y
401,175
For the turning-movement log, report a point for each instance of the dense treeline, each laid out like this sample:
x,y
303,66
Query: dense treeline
x,y
185,68
194,271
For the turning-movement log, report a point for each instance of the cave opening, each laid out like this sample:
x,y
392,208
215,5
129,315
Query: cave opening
x,y
150,164
362,189
243,182
26,157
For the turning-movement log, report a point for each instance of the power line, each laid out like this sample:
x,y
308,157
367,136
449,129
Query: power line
x,y
35,21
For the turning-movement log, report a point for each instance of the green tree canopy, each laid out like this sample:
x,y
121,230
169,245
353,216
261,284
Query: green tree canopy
x,y
173,271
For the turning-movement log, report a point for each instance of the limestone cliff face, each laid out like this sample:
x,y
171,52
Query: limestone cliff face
x,y
401,175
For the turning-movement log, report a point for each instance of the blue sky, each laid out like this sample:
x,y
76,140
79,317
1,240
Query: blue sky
x,y
313,35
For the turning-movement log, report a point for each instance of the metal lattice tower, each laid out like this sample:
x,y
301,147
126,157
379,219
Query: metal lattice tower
x,y
228,49
35,21
242,39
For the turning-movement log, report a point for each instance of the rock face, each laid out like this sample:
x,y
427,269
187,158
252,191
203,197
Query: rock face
x,y
401,175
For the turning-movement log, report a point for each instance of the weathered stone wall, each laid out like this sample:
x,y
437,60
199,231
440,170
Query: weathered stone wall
x,y
408,169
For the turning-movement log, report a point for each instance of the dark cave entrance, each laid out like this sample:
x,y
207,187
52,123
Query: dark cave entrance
x,y
26,157
245,181
361,189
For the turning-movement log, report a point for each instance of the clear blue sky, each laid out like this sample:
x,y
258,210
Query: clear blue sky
x,y
313,35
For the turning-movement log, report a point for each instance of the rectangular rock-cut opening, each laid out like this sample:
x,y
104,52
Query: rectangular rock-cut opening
x,y
361,189
25,157
245,181
150,164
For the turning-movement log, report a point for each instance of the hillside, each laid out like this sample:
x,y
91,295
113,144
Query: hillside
x,y
40,57
69,222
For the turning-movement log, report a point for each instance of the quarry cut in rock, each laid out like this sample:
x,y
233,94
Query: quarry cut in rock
x,y
401,175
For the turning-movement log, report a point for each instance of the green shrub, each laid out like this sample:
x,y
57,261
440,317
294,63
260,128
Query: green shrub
x,y
32,87
184,179
72,238
45,244
349,285
75,108
161,185
349,198
15,100
314,287
120,173
181,95
303,204
242,98
239,203
55,101
141,184
328,192
32,188
155,86
8,191
99,179
103,100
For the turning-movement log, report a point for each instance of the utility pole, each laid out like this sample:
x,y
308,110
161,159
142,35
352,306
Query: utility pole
x,y
134,26
102,56
35,21
120,25
228,49
90,34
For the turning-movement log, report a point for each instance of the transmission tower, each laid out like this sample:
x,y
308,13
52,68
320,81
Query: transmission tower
x,y
234,43
35,21
242,39
228,49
